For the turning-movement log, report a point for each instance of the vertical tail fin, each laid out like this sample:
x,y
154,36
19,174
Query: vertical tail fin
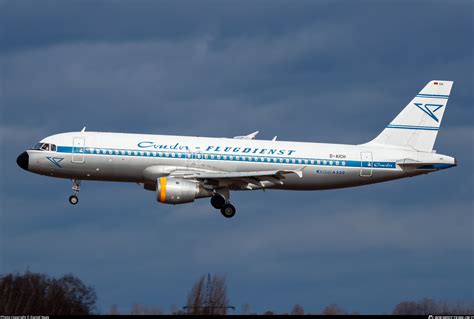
x,y
418,123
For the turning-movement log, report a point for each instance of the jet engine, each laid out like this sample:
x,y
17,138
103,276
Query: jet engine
x,y
179,191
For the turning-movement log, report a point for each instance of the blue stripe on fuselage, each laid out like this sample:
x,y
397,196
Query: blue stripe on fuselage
x,y
227,157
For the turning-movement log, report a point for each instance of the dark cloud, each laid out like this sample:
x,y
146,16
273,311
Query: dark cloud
x,y
312,71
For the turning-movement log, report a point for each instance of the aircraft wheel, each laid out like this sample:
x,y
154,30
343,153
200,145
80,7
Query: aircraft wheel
x,y
73,199
228,211
218,201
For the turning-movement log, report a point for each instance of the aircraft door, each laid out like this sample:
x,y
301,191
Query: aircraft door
x,y
366,164
78,147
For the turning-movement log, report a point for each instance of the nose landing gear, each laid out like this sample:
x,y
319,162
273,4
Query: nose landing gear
x,y
73,199
76,187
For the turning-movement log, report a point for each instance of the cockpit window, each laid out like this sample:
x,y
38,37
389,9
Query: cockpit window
x,y
45,147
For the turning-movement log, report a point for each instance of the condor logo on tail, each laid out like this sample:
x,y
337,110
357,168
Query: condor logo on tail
x,y
429,109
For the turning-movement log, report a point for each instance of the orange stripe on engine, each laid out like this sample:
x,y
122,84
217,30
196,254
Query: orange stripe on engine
x,y
163,189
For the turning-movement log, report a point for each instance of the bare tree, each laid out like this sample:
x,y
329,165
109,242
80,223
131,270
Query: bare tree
x,y
429,306
297,310
114,310
34,293
422,307
333,310
196,297
138,309
176,311
405,308
208,297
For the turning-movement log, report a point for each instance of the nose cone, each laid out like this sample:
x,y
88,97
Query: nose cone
x,y
22,160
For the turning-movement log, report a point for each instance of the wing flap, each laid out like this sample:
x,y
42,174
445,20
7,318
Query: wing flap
x,y
224,179
224,175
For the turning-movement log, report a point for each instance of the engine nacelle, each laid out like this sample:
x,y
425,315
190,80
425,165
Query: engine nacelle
x,y
179,191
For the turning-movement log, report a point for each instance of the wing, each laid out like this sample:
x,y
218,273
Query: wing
x,y
237,180
222,179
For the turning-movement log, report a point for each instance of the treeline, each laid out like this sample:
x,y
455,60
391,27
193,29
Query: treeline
x,y
34,293
422,307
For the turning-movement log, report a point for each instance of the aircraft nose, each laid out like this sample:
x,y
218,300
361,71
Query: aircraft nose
x,y
22,160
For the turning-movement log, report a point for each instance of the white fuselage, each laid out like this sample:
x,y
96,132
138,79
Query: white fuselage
x,y
126,158
182,168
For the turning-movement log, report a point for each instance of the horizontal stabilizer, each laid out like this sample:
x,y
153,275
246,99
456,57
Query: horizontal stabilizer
x,y
409,164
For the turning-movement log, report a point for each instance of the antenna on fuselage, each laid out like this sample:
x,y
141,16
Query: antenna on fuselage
x,y
83,129
275,138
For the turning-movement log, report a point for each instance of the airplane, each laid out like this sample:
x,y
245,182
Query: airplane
x,y
180,169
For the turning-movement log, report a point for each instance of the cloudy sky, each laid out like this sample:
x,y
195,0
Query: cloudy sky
x,y
326,71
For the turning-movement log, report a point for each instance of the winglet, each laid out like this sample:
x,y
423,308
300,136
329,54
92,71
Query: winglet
x,y
251,136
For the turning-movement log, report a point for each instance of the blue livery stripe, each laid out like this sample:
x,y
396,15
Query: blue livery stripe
x,y
64,149
413,127
433,96
225,157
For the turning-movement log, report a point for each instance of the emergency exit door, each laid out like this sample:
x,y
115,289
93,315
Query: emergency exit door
x,y
366,164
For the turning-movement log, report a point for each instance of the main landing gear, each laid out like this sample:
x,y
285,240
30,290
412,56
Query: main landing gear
x,y
219,201
228,211
76,187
